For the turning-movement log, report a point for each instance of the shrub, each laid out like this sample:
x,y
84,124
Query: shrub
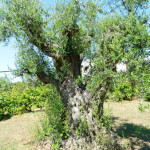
x,y
142,107
123,91
4,107
53,126
124,87
147,94
5,84
23,98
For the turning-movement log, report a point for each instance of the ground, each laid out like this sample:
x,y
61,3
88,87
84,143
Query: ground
x,y
131,124
17,133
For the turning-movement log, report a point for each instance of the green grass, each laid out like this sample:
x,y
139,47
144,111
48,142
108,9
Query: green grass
x,y
15,133
131,124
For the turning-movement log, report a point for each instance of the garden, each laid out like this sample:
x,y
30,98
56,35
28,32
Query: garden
x,y
79,107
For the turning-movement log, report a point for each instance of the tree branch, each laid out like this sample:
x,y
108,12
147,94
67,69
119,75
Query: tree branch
x,y
43,77
36,36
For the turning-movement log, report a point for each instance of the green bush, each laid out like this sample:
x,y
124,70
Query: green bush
x,y
142,108
124,87
147,94
5,84
53,125
23,98
123,91
4,107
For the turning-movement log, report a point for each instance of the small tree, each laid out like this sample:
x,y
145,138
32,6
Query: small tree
x,y
53,42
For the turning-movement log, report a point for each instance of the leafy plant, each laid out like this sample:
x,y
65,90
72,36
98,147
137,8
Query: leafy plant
x,y
52,124
5,84
147,94
82,129
124,87
23,98
142,107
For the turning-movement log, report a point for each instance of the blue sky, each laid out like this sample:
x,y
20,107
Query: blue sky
x,y
7,57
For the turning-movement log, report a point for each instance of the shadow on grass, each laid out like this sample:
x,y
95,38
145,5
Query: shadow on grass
x,y
132,132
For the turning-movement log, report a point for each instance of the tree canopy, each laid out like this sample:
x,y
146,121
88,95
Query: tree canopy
x,y
71,30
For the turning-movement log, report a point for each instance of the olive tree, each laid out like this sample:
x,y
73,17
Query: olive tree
x,y
54,41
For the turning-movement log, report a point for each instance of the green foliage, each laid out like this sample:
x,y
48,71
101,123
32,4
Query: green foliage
x,y
39,32
3,107
147,94
145,90
5,84
107,119
143,108
23,98
134,6
54,111
53,126
79,29
130,84
82,129
123,39
104,123
122,89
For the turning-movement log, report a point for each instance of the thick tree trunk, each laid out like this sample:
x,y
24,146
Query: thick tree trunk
x,y
73,62
80,105
79,102
74,65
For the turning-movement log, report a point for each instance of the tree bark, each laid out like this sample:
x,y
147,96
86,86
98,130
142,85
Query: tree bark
x,y
74,65
78,101
81,106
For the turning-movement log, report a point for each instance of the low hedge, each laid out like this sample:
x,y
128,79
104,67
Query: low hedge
x,y
23,98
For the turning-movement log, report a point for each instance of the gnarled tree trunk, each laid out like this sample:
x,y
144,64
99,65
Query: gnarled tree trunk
x,y
80,103
79,100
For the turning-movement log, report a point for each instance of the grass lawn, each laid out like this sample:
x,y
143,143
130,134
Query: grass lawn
x,y
131,124
16,132
128,123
